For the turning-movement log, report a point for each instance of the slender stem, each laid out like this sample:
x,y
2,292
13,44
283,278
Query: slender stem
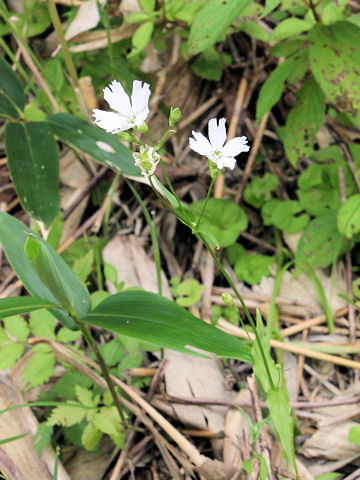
x,y
247,313
153,234
105,371
67,56
205,202
112,189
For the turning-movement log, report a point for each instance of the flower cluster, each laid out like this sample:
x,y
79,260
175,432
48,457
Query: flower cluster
x,y
132,112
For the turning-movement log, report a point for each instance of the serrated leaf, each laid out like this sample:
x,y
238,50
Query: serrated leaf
x,y
153,318
83,265
334,63
85,396
39,368
13,236
65,387
42,437
65,335
102,146
42,324
33,160
17,327
108,421
212,21
12,97
321,242
91,436
3,336
18,305
67,415
304,121
9,353
348,218
112,352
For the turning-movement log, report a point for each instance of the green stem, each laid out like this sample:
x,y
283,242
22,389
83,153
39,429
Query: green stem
x,y
67,56
205,202
105,371
111,192
153,234
247,313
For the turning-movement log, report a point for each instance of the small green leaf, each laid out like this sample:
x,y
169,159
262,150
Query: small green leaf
x,y
85,396
83,266
153,318
222,218
321,242
17,327
212,21
108,421
102,146
33,160
39,368
42,437
91,436
303,122
67,414
188,292
290,27
141,37
42,324
249,267
210,64
284,215
348,218
65,335
12,97
259,189
9,353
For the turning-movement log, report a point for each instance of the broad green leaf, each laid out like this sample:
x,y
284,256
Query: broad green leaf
x,y
33,160
334,63
281,415
9,353
212,21
289,28
253,29
304,121
321,242
348,218
18,327
104,147
222,218
12,97
18,305
273,88
210,64
43,263
284,215
153,318
249,267
13,235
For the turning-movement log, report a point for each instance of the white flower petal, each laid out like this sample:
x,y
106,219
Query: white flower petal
x,y
235,146
140,96
200,144
228,162
110,121
117,98
217,133
141,117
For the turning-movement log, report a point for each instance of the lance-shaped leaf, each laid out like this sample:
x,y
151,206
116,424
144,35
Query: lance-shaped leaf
x,y
13,236
19,305
102,146
33,160
155,319
12,97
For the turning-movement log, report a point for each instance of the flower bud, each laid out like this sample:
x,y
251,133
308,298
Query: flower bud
x,y
174,116
228,299
126,136
144,128
147,160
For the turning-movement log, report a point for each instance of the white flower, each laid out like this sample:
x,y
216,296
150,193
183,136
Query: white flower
x,y
215,150
147,160
128,113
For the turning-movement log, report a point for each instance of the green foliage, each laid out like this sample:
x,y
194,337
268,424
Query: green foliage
x,y
222,218
40,367
321,242
285,215
249,267
152,318
329,476
17,327
12,97
187,292
348,218
210,64
259,189
303,122
212,21
33,160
